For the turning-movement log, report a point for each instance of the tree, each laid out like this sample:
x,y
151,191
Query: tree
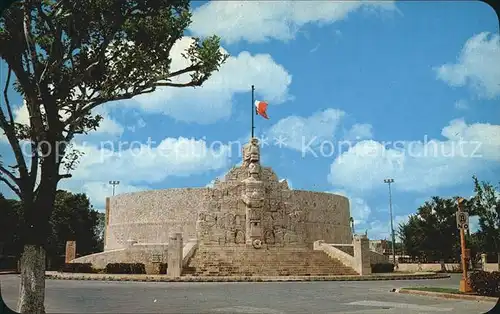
x,y
10,212
411,235
73,218
432,231
65,59
99,231
486,205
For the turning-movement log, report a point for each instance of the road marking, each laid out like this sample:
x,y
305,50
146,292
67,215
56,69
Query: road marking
x,y
402,306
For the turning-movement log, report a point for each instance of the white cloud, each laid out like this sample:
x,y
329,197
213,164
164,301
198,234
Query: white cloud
x,y
478,66
213,100
420,165
97,191
256,21
108,126
298,132
380,230
359,208
147,162
359,131
137,165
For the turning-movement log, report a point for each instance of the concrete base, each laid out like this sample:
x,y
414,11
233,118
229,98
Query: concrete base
x,y
465,286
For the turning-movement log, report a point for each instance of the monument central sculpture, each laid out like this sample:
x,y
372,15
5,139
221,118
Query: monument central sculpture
x,y
250,209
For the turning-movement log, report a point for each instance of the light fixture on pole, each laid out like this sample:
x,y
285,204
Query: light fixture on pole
x,y
114,183
389,181
351,220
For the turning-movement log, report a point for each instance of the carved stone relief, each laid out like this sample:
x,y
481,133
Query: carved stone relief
x,y
240,237
269,237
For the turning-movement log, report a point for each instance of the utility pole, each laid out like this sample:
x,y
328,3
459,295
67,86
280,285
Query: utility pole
x,y
393,242
114,183
463,224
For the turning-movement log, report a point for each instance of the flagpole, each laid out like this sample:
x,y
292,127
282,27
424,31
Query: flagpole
x,y
252,112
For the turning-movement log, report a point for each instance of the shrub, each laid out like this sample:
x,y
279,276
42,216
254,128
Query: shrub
x,y
163,268
485,283
77,268
125,268
382,268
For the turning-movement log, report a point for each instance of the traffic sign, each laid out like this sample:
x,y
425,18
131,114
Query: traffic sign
x,y
462,220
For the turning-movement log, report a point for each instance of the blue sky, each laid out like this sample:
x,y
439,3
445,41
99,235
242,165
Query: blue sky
x,y
385,78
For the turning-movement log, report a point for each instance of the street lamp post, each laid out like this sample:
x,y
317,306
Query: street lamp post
x,y
114,183
352,225
393,242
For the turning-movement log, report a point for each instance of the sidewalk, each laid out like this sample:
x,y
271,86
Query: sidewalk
x,y
449,295
165,278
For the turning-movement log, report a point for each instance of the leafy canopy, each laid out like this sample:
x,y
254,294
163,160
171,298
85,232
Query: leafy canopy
x,y
67,57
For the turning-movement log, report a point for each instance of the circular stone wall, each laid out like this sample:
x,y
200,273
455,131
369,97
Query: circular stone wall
x,y
149,217
325,216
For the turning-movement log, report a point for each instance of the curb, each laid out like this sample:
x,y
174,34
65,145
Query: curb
x,y
145,278
448,295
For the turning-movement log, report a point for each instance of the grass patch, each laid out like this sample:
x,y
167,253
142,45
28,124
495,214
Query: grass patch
x,y
435,289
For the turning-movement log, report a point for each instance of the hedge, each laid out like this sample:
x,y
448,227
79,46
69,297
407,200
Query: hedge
x,y
77,268
163,268
125,268
382,268
485,283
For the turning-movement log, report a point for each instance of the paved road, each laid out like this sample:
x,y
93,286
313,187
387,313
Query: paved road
x,y
263,298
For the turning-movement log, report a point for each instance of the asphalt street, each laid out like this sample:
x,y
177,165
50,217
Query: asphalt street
x,y
68,296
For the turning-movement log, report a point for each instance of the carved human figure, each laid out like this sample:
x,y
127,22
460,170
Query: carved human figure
x,y
240,237
254,170
251,152
269,237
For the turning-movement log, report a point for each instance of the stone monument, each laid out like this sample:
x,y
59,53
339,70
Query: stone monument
x,y
249,216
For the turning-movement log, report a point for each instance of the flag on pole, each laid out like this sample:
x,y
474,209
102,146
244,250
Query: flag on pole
x,y
261,108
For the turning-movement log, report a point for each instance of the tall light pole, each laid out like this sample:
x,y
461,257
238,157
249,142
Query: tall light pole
x,y
114,183
389,181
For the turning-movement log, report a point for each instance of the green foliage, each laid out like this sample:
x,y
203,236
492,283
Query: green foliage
x,y
435,219
10,211
431,233
77,268
486,204
382,268
485,283
66,58
73,218
125,268
95,51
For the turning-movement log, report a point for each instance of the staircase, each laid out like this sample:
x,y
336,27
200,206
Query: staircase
x,y
241,261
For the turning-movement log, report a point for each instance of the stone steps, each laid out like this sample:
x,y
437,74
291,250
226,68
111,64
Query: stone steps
x,y
220,261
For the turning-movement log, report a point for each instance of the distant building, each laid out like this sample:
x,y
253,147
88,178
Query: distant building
x,y
379,246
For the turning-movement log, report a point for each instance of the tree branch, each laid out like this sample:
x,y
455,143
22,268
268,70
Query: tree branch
x,y
14,143
6,97
11,186
189,84
9,174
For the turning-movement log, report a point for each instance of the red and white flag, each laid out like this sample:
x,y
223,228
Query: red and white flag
x,y
260,108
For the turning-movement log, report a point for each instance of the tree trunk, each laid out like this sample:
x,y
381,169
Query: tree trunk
x,y
32,287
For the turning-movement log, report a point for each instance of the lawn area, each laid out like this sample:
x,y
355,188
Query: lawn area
x,y
435,289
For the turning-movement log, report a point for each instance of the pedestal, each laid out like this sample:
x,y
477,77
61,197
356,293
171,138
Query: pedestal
x,y
465,286
174,259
